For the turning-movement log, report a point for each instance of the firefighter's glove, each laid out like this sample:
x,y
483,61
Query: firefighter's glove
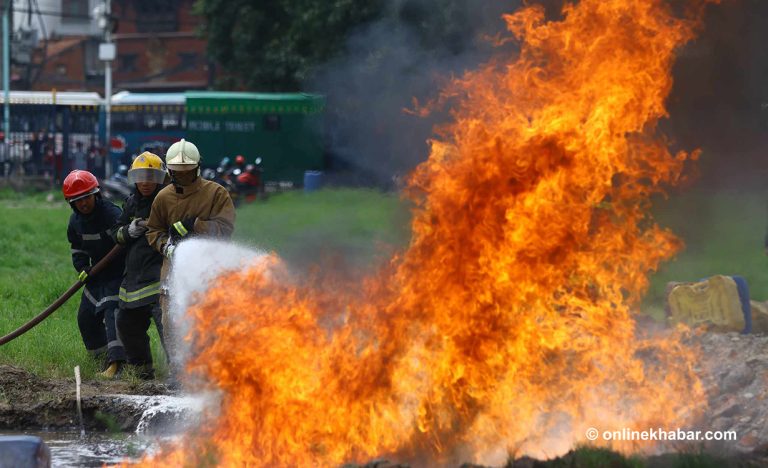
x,y
168,249
137,228
84,275
185,227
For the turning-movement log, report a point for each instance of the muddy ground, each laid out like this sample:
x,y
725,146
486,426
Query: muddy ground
x,y
733,369
28,402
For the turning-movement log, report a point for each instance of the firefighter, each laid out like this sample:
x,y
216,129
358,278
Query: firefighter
x,y
89,234
140,289
190,206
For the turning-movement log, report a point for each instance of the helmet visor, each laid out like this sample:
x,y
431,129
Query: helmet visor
x,y
136,176
83,195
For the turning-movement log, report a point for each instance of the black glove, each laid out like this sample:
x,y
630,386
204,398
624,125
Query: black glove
x,y
189,223
84,275
183,228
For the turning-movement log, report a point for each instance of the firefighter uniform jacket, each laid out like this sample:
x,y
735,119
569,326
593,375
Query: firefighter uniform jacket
x,y
207,201
141,282
90,239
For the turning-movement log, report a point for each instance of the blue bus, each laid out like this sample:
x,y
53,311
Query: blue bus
x,y
144,122
284,130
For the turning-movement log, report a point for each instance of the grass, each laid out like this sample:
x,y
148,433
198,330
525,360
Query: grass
x,y
596,457
361,225
36,267
723,232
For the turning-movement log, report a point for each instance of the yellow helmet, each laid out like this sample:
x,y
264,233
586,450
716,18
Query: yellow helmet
x,y
147,167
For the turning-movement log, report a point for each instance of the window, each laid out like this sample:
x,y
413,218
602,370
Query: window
x,y
125,121
126,62
75,11
171,121
187,60
151,121
157,15
94,68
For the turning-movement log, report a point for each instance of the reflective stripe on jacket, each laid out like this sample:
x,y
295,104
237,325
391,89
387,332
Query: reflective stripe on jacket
x,y
90,238
207,201
141,281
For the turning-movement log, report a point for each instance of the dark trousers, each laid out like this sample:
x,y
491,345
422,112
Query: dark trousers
x,y
96,319
132,326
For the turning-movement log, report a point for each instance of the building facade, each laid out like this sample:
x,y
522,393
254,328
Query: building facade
x,y
158,47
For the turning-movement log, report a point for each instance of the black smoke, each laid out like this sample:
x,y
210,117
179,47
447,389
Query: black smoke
x,y
719,102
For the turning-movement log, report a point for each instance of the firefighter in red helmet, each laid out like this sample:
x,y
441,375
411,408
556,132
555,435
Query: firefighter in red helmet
x,y
89,234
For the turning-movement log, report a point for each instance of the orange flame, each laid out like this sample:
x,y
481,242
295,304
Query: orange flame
x,y
506,327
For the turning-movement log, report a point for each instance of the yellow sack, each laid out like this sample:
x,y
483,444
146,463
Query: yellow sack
x,y
714,301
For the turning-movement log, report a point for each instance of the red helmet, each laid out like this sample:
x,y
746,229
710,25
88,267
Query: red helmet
x,y
79,184
239,159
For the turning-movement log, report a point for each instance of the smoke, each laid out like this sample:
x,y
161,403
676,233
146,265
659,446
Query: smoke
x,y
405,57
196,263
719,102
719,98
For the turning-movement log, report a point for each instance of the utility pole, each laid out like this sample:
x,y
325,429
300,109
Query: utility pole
x,y
107,53
6,70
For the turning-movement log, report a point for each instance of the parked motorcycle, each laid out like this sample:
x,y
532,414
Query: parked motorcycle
x,y
117,188
220,176
250,182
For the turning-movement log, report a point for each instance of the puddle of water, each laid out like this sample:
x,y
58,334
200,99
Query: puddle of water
x,y
162,414
70,449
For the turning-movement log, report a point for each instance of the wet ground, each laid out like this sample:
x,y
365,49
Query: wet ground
x,y
124,418
30,402
73,449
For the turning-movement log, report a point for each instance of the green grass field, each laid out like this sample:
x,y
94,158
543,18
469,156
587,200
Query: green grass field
x,y
35,263
723,233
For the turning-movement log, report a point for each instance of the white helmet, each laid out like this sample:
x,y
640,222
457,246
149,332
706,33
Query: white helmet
x,y
182,156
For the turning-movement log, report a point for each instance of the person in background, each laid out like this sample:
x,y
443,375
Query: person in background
x,y
79,158
90,239
36,155
96,161
5,157
190,206
140,289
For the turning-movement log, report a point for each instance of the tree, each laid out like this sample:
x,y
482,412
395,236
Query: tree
x,y
275,44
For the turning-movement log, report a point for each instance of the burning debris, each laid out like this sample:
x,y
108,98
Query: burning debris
x,y
506,328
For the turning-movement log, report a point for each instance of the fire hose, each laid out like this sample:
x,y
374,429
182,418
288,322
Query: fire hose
x,y
63,298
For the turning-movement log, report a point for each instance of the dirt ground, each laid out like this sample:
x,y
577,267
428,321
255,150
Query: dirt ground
x,y
734,372
30,402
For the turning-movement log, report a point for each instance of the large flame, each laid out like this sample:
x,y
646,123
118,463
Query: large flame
x,y
506,327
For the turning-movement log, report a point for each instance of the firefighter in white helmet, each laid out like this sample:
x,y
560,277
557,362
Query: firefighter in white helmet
x,y
190,206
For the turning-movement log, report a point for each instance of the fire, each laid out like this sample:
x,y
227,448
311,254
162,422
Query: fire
x,y
506,327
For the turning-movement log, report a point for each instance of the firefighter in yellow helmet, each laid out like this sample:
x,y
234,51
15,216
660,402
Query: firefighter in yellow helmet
x,y
139,296
190,206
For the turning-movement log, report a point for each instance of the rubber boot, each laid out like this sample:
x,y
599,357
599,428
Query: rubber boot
x,y
114,370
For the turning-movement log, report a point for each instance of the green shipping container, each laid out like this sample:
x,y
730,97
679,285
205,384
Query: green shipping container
x,y
284,129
